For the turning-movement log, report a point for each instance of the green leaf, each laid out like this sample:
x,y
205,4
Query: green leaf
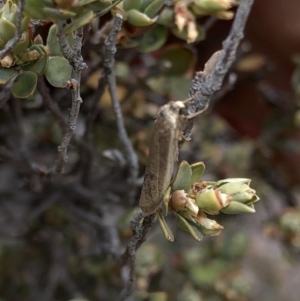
x,y
238,208
145,4
58,71
137,18
164,226
189,227
197,172
79,22
24,85
153,8
22,45
2,43
52,45
101,7
132,4
40,67
58,14
182,177
6,74
34,9
24,23
7,29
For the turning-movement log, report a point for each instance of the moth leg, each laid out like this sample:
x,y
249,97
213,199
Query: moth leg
x,y
191,116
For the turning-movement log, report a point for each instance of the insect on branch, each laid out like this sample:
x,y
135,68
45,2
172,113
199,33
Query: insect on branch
x,y
171,125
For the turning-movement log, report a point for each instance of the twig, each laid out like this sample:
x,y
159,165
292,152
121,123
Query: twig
x,y
110,50
76,61
13,42
52,106
204,84
140,231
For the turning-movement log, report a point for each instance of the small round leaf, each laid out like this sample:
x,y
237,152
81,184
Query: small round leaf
x,y
24,84
6,74
58,71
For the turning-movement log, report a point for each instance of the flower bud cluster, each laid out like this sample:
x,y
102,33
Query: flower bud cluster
x,y
191,199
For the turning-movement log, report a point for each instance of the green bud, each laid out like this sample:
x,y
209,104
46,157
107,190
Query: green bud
x,y
242,195
38,40
239,190
212,200
7,61
237,208
153,8
29,56
179,202
209,227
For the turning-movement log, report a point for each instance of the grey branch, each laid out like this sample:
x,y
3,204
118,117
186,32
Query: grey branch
x,y
13,42
207,82
140,231
73,55
109,51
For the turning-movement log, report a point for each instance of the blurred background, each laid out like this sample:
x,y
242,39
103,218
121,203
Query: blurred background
x,y
61,237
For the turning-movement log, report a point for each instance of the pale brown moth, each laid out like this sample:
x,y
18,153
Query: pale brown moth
x,y
163,151
162,156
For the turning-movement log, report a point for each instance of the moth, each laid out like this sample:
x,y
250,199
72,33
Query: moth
x,y
163,154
